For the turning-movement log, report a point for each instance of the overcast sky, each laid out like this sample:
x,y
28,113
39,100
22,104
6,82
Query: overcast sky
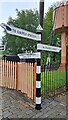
x,y
7,8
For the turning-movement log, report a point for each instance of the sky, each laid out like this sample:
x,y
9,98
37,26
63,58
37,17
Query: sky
x,y
8,9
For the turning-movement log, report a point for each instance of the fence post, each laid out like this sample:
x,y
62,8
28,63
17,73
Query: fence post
x,y
17,76
66,77
34,88
38,74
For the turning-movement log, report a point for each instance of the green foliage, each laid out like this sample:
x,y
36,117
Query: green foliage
x,y
48,28
28,20
48,25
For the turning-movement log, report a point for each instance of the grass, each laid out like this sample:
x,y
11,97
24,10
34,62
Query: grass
x,y
51,80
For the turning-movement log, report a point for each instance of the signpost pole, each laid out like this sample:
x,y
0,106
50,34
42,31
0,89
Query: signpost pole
x,y
38,71
38,76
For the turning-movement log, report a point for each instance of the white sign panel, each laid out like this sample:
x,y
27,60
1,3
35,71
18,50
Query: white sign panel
x,y
20,32
30,55
39,28
2,47
48,48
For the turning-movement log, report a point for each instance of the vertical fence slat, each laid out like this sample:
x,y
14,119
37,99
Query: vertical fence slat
x,y
7,74
34,84
32,81
15,76
25,80
19,76
11,74
22,89
28,80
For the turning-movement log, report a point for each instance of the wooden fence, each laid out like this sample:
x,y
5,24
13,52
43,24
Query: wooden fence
x,y
19,76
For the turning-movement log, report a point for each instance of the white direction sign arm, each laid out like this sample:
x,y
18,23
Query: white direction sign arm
x,y
48,48
20,32
36,55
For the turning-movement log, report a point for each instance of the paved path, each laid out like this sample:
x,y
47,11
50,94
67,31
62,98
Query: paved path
x,y
14,105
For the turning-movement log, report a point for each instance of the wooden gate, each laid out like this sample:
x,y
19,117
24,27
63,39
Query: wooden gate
x,y
20,76
25,78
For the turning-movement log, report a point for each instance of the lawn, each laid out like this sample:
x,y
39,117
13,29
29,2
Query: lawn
x,y
51,80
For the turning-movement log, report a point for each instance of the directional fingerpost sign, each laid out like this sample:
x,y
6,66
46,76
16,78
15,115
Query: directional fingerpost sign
x,y
2,47
20,32
30,55
48,48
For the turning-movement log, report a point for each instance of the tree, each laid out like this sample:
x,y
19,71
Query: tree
x,y
48,37
48,25
47,29
28,20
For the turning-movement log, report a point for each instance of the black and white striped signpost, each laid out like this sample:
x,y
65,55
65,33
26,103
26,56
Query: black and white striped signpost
x,y
26,34
41,47
38,74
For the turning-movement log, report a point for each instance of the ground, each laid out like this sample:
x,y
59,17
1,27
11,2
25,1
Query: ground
x,y
14,104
